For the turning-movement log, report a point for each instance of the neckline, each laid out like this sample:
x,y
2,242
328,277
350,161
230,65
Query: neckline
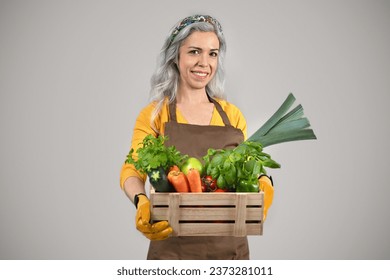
x,y
217,106
178,111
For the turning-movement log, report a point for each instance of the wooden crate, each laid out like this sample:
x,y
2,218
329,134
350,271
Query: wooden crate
x,y
209,214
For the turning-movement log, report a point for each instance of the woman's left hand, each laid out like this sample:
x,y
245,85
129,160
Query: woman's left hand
x,y
266,185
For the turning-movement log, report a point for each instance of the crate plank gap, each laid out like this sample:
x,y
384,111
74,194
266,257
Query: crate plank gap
x,y
209,214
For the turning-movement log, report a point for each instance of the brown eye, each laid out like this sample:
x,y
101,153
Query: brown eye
x,y
214,54
194,52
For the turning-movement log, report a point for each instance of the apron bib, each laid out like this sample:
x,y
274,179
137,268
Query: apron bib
x,y
195,140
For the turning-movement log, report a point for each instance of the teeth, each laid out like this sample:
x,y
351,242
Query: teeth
x,y
200,74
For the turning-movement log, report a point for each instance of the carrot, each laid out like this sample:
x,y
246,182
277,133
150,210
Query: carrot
x,y
194,180
174,167
179,181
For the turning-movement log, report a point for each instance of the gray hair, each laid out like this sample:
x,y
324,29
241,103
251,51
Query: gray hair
x,y
164,82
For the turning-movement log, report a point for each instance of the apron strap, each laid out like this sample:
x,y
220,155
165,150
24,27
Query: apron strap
x,y
221,112
225,119
172,111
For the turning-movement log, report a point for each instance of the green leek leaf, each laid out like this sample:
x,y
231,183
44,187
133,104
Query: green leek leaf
x,y
276,116
291,126
284,126
282,137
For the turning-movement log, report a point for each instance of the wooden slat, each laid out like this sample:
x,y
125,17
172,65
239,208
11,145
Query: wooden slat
x,y
200,229
207,198
256,199
207,229
254,229
240,213
173,213
207,214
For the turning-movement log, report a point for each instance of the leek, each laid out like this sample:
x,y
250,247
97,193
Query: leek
x,y
284,126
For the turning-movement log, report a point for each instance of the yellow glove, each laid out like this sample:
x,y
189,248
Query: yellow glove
x,y
265,184
157,231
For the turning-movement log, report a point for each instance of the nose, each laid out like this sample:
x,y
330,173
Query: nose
x,y
203,60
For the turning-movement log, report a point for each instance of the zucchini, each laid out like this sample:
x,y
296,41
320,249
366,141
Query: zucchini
x,y
159,180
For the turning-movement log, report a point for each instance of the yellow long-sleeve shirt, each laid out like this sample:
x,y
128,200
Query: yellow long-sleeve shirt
x,y
143,127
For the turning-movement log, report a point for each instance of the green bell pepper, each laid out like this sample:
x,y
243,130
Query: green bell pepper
x,y
247,186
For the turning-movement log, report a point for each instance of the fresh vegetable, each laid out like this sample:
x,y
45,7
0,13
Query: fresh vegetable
x,y
208,184
204,188
174,168
284,126
153,154
247,186
178,180
220,190
191,162
194,180
243,164
159,180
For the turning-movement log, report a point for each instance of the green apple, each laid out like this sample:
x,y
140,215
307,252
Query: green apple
x,y
192,162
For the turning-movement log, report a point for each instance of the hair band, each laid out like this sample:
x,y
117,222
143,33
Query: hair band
x,y
192,19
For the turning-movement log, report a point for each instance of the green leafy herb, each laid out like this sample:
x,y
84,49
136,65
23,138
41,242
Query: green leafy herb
x,y
232,167
153,154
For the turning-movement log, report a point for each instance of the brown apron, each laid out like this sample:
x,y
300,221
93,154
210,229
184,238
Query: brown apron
x,y
195,140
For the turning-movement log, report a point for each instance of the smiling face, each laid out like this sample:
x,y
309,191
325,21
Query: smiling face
x,y
198,60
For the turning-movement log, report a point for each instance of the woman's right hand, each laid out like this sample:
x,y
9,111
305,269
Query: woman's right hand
x,y
156,231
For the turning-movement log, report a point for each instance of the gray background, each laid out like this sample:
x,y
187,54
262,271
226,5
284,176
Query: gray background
x,y
75,74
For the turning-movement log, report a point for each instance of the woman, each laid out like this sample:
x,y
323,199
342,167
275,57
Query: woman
x,y
187,106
